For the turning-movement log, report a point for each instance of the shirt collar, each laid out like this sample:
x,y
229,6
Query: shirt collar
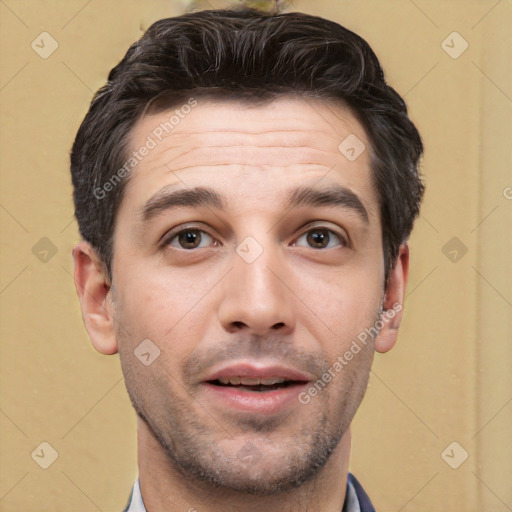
x,y
137,505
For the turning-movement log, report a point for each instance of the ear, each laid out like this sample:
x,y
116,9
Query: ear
x,y
393,302
93,289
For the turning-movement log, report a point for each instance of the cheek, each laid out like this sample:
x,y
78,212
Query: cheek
x,y
342,302
151,299
169,311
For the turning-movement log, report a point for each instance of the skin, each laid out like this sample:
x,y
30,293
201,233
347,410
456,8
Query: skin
x,y
302,302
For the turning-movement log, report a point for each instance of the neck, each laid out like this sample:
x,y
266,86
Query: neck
x,y
165,489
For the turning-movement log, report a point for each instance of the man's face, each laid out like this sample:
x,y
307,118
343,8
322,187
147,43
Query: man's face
x,y
251,281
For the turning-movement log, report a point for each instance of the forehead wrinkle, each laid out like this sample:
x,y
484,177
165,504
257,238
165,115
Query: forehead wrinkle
x,y
188,147
212,156
213,148
288,134
266,131
291,137
301,145
227,111
186,160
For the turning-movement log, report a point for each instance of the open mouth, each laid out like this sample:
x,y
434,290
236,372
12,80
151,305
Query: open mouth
x,y
260,388
274,390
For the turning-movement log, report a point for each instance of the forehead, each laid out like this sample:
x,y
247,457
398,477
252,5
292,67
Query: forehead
x,y
265,146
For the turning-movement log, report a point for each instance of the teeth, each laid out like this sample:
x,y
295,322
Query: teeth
x,y
251,381
272,380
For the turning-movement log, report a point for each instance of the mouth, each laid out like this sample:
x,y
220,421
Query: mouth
x,y
255,385
252,388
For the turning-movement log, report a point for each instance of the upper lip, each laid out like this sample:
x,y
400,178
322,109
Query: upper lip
x,y
259,371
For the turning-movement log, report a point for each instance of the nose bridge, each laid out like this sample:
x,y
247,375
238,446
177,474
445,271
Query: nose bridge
x,y
253,267
255,293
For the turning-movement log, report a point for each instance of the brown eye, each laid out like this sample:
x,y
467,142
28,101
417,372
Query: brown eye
x,y
323,238
188,238
318,238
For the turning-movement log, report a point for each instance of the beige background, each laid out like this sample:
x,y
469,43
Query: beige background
x,y
450,376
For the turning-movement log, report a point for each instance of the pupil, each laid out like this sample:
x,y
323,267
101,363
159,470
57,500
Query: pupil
x,y
318,237
189,237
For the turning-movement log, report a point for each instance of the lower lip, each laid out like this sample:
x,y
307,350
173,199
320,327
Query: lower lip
x,y
263,402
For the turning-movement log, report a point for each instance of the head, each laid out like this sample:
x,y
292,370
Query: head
x,y
245,186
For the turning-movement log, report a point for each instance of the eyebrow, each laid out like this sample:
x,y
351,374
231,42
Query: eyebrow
x,y
168,198
335,195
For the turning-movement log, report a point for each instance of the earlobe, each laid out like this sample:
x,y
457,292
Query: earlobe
x,y
393,303
93,289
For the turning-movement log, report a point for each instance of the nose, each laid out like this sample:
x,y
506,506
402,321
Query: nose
x,y
256,296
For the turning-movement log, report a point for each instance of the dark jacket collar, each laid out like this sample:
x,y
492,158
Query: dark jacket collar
x,y
364,501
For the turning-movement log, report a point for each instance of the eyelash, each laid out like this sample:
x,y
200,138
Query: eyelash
x,y
168,239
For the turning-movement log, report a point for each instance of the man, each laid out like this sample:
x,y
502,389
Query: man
x,y
245,185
